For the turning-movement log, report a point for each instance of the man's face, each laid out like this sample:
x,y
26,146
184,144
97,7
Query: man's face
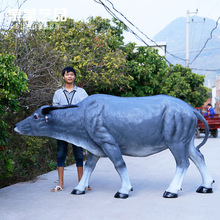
x,y
69,77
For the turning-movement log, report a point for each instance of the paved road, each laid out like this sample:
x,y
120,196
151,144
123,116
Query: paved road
x,y
149,176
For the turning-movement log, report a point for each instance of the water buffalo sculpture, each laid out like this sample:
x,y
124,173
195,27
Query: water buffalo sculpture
x,y
110,126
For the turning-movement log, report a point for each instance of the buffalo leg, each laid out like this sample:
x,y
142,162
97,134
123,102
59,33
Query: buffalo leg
x,y
114,154
88,169
182,163
198,159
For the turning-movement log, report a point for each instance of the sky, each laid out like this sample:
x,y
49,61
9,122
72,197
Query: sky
x,y
149,16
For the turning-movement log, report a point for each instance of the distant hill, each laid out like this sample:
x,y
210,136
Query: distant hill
x,y
174,35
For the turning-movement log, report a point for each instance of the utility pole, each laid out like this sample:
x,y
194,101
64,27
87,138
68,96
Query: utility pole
x,y
187,35
187,38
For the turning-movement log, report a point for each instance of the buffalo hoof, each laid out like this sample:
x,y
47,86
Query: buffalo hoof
x,y
170,195
119,195
77,192
203,189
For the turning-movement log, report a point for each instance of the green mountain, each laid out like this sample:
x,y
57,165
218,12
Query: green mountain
x,y
204,45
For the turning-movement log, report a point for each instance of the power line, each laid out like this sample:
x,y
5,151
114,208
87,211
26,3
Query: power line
x,y
210,70
195,51
137,36
114,15
216,25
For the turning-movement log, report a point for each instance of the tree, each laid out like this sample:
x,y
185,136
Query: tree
x,y
184,84
148,70
94,49
152,76
13,83
34,55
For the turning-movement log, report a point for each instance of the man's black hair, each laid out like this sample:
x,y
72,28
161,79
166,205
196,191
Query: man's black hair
x,y
68,69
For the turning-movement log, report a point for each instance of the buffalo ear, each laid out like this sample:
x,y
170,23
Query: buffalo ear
x,y
46,110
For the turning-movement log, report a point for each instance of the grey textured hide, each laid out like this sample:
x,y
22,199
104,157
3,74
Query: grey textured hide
x,y
110,126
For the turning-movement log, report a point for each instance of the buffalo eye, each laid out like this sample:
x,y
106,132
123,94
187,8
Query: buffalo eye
x,y
36,116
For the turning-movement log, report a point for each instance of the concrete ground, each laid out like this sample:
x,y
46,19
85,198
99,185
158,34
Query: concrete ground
x,y
149,176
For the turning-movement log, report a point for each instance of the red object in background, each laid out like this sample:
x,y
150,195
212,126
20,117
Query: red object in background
x,y
213,122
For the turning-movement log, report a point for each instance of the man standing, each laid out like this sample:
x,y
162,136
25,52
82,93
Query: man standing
x,y
68,95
